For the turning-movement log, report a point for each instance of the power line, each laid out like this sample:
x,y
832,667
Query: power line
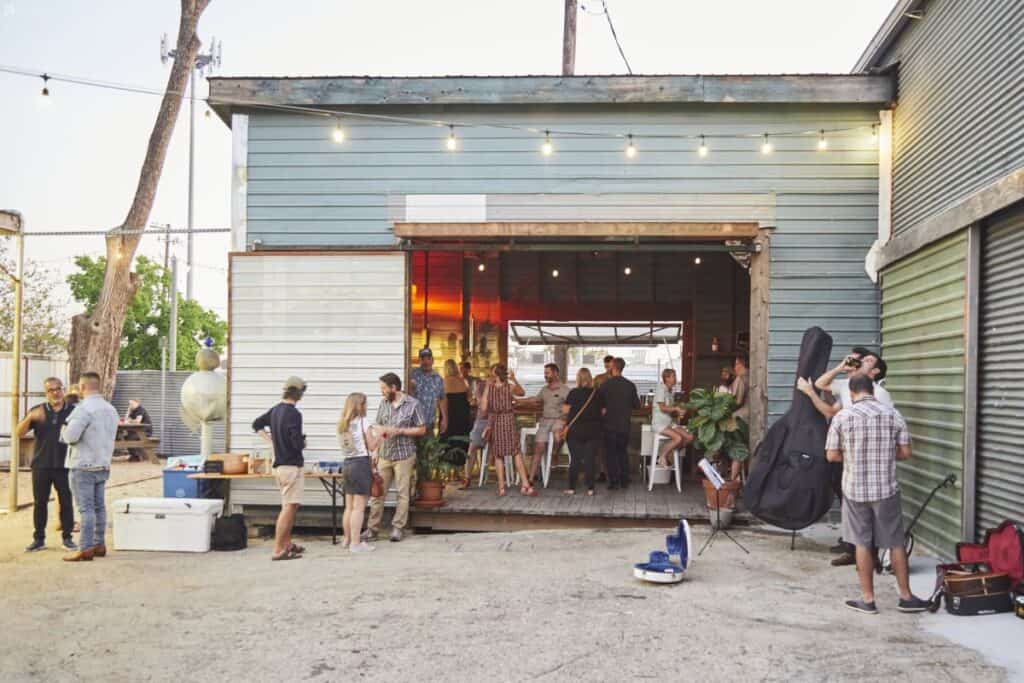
x,y
608,16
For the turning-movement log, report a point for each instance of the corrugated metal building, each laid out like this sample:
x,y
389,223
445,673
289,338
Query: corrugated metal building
x,y
325,279
952,302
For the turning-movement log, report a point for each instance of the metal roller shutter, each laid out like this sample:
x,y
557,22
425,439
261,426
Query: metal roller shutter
x,y
335,319
1000,454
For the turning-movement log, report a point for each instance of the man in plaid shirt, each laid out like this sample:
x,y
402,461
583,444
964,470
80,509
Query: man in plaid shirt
x,y
868,437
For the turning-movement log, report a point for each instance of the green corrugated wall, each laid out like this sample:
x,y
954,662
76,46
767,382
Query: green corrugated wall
x,y
923,342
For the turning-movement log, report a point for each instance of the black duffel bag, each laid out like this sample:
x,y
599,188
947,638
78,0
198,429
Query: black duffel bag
x,y
229,533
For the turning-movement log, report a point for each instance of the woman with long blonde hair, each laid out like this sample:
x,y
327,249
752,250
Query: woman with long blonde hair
x,y
584,430
358,441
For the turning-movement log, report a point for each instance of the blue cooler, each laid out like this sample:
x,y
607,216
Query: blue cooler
x,y
178,485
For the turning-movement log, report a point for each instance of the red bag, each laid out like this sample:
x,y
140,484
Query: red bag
x,y
1002,551
982,582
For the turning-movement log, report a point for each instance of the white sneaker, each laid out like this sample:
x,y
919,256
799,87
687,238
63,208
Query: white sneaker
x,y
361,547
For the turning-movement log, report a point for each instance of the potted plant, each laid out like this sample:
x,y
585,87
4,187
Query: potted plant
x,y
436,459
717,430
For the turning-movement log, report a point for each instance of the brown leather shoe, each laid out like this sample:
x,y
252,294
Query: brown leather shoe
x,y
844,560
81,556
99,550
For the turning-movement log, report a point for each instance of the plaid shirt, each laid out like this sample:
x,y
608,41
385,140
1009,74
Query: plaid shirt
x,y
408,413
868,433
428,388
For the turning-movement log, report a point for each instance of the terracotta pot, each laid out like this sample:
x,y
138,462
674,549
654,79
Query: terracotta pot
x,y
726,497
431,494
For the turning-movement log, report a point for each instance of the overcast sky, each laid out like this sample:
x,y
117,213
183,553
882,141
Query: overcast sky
x,y
72,163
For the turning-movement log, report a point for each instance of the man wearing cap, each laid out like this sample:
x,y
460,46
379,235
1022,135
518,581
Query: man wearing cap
x,y
427,387
284,423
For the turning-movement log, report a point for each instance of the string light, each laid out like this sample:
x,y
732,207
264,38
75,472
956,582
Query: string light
x,y
627,270
547,148
766,147
481,267
452,144
554,273
338,134
630,147
696,261
702,151
45,92
822,142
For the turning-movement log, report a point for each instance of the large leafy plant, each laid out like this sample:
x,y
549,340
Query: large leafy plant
x,y
716,428
436,458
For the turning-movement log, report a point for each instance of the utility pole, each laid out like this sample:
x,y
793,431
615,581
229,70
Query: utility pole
x,y
569,39
204,62
168,241
173,333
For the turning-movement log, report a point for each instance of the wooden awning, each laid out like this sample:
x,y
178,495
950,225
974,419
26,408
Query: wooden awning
x,y
620,230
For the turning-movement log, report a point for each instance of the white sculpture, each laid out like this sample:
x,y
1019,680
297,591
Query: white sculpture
x,y
204,398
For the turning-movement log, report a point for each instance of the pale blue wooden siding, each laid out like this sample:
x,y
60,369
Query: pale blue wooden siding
x,y
305,190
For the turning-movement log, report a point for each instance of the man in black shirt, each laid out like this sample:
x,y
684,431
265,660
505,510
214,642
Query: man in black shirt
x,y
48,466
137,415
620,399
284,423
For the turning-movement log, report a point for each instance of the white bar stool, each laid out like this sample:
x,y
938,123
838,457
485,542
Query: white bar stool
x,y
654,467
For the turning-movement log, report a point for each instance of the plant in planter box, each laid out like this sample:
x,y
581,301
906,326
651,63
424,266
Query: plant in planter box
x,y
718,431
436,459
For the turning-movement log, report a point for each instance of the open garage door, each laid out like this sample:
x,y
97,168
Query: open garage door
x,y
338,320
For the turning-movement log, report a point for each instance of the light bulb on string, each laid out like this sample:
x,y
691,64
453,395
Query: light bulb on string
x,y
627,271
452,143
547,148
696,261
822,142
766,147
702,150
45,92
630,147
481,267
338,134
554,273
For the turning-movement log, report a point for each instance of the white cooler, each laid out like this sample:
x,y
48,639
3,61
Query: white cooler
x,y
169,524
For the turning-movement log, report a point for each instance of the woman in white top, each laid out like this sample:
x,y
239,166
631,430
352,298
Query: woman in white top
x,y
358,440
663,415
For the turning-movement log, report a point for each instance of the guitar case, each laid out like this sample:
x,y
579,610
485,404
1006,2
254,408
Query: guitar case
x,y
790,484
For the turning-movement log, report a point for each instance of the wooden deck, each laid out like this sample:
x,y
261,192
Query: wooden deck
x,y
478,509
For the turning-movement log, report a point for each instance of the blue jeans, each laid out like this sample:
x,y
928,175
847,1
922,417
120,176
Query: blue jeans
x,y
88,488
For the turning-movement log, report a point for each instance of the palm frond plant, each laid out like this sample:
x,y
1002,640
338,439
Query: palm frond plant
x,y
716,428
437,458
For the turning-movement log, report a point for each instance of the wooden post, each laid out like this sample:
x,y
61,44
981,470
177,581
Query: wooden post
x,y
760,280
569,39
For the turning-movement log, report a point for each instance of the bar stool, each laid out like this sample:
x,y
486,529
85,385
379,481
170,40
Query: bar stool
x,y
510,476
654,467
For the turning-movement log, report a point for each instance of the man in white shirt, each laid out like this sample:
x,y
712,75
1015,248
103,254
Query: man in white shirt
x,y
861,362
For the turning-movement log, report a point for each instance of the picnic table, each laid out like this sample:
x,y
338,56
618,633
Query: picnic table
x,y
131,435
331,483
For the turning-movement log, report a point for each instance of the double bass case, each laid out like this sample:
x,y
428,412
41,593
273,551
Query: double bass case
x,y
790,484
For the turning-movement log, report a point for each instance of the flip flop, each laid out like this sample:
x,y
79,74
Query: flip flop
x,y
298,549
289,555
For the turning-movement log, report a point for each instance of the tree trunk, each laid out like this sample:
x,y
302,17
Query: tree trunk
x,y
96,339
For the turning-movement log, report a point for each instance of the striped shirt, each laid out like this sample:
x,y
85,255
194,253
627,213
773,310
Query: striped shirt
x,y
868,433
408,413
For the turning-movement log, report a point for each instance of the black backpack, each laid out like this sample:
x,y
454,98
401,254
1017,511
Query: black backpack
x,y
790,485
229,533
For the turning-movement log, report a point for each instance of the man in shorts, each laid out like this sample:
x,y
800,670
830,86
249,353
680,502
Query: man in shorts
x,y
869,436
282,426
550,399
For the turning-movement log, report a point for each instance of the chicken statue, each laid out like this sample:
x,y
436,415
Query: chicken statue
x,y
204,397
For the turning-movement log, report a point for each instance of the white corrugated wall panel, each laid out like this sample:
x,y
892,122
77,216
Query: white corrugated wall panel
x,y
336,320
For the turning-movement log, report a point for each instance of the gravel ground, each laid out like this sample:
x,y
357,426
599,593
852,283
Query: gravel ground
x,y
549,605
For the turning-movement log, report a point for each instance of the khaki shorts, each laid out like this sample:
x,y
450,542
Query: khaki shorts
x,y
546,426
292,482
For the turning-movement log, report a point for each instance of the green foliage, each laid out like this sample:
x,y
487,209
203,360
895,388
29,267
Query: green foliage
x,y
716,428
437,458
44,325
148,317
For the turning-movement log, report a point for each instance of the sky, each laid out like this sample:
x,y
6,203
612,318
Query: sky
x,y
71,161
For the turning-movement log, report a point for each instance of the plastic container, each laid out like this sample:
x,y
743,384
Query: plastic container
x,y
165,524
178,485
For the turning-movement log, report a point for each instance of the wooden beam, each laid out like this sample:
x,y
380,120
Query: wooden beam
x,y
687,231
760,281
996,196
342,91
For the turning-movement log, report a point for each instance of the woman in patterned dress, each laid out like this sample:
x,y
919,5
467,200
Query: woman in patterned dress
x,y
502,432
